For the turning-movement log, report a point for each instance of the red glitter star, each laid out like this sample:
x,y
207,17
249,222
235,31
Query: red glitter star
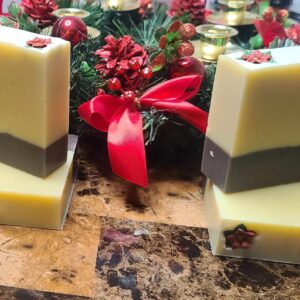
x,y
39,42
257,57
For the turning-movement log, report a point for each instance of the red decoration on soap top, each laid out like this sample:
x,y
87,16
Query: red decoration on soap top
x,y
257,57
38,42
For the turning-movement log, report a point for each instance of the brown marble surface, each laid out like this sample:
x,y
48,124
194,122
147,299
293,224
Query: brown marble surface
x,y
125,243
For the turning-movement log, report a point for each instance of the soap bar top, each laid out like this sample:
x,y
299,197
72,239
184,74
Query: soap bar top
x,y
255,107
20,38
280,57
34,101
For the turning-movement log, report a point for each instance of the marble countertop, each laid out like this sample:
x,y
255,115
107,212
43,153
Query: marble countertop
x,y
121,242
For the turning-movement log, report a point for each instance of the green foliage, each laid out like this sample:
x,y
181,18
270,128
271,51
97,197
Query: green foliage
x,y
19,19
278,43
84,79
146,32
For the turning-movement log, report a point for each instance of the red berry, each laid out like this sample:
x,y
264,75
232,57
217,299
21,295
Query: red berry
x,y
100,92
114,84
135,63
147,73
120,70
128,96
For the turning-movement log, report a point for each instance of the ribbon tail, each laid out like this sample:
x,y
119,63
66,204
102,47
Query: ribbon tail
x,y
187,111
126,145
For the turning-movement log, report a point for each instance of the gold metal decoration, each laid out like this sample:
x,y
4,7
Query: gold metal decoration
x,y
71,12
120,5
213,40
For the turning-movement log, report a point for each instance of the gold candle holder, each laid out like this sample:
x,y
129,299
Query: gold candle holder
x,y
213,40
120,5
235,10
71,12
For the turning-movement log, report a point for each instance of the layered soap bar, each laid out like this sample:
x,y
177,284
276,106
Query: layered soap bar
x,y
253,134
34,101
262,224
27,200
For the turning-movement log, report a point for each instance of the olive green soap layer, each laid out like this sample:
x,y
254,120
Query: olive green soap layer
x,y
250,171
30,158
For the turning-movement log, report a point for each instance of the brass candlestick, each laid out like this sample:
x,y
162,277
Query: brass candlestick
x,y
235,10
213,40
71,12
125,11
121,5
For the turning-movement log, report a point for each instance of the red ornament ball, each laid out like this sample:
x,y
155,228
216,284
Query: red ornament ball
x,y
185,66
147,73
185,49
71,29
114,84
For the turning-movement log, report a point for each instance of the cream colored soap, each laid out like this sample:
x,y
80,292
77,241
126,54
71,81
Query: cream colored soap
x,y
34,88
256,107
26,200
273,213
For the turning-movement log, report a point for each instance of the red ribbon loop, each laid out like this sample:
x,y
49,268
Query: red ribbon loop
x,y
124,124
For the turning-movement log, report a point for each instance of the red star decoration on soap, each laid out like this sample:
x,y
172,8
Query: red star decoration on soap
x,y
39,42
257,57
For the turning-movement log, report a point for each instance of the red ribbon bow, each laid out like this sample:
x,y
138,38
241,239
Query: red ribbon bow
x,y
123,122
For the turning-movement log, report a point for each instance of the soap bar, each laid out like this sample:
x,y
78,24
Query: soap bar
x,y
27,200
261,224
34,102
253,134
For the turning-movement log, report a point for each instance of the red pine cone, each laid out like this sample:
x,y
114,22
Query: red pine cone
x,y
196,9
40,10
121,58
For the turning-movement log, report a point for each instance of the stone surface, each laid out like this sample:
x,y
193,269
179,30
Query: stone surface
x,y
171,192
101,254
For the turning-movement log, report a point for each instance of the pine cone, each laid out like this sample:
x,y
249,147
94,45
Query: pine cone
x,y
40,10
196,9
121,58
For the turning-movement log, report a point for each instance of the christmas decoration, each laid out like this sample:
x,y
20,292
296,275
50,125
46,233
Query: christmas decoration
x,y
268,14
239,237
39,42
294,33
257,57
186,66
71,29
282,16
121,118
195,9
145,8
173,43
269,31
40,10
124,60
